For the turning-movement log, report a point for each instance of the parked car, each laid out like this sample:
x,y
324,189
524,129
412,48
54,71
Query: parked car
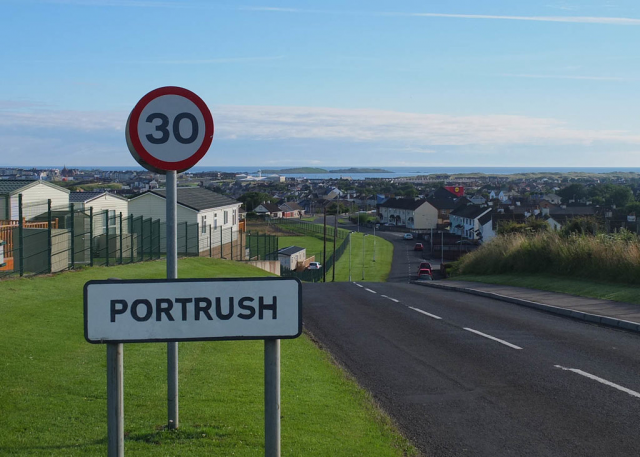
x,y
425,273
408,236
424,265
466,242
314,266
418,247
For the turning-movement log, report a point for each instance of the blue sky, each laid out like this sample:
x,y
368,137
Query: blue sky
x,y
333,83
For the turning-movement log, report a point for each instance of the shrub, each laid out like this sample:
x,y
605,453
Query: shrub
x,y
610,257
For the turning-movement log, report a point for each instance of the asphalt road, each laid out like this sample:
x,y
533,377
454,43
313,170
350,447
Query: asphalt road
x,y
466,375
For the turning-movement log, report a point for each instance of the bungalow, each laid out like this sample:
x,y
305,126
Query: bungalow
x,y
35,195
106,208
205,209
291,209
268,209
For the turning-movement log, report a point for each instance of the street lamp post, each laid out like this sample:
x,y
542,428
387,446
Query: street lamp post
x,y
363,240
350,256
374,241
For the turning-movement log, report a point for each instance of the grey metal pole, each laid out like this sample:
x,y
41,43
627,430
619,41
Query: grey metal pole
x,y
431,241
363,239
335,236
374,241
441,248
272,398
115,401
172,273
350,256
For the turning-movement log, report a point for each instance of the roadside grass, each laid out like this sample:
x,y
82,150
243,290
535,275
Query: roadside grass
x,y
584,288
308,218
377,271
53,396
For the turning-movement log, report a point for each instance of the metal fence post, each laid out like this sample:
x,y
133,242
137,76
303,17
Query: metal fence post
x,y
73,235
21,234
91,236
142,236
231,230
221,230
131,237
120,238
49,234
186,238
210,243
106,220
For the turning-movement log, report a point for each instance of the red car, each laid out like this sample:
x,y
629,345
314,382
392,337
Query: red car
x,y
418,247
424,265
425,273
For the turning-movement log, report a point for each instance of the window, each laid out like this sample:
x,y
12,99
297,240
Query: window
x,y
203,224
110,222
226,217
215,221
233,219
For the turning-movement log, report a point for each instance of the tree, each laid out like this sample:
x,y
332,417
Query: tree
x,y
573,192
253,199
633,207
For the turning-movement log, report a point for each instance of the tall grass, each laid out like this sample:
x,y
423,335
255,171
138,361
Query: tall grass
x,y
613,257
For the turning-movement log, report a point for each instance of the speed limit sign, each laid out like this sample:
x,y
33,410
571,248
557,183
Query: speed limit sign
x,y
170,129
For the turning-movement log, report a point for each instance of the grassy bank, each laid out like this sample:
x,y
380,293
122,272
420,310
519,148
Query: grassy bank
x,y
608,258
584,288
53,396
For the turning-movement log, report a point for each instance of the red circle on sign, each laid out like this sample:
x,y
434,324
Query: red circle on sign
x,y
143,156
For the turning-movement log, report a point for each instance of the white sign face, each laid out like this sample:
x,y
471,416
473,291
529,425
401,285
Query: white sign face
x,y
192,309
171,128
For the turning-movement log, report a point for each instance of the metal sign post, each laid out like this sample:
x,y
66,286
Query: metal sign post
x,y
115,400
172,273
271,398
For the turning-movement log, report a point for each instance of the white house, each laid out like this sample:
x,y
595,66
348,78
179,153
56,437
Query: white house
x,y
106,208
472,222
409,212
35,195
212,212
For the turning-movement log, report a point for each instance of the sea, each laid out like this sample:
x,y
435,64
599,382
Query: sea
x,y
394,172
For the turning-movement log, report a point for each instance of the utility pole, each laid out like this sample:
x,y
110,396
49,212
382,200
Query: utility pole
x,y
441,248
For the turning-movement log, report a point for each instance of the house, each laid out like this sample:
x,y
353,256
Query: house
x,y
466,222
208,211
106,208
268,209
291,209
35,196
444,206
408,212
292,256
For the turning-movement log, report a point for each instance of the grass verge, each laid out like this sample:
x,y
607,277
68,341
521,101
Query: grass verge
x,y
377,271
53,395
584,288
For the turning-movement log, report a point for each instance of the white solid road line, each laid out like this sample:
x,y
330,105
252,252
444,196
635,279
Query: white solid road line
x,y
506,343
392,299
369,290
425,313
603,381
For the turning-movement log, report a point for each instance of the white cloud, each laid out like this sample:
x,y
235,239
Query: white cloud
x,y
414,132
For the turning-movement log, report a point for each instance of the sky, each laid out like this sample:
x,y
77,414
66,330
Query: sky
x,y
540,83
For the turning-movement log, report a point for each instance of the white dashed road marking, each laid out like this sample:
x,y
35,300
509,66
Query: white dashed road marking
x,y
369,290
359,285
425,313
600,380
392,299
506,343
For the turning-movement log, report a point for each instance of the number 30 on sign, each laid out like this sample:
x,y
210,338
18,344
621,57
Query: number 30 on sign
x,y
169,129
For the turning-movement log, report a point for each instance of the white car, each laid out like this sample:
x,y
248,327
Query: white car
x,y
314,266
408,236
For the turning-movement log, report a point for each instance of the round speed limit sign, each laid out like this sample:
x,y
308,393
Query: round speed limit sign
x,y
169,129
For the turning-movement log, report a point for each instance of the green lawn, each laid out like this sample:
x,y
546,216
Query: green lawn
x,y
53,396
585,288
377,271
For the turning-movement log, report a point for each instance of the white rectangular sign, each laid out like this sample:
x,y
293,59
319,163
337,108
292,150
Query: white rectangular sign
x,y
126,311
